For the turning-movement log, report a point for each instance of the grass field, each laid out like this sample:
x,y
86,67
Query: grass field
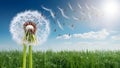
x,y
63,59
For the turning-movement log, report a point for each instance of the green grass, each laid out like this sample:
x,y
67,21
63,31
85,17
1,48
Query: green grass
x,y
63,59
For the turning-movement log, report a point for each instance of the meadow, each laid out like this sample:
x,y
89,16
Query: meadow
x,y
63,59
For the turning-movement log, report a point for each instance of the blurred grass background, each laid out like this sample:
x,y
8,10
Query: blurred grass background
x,y
63,59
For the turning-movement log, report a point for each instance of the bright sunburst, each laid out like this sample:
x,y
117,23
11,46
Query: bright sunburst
x,y
110,8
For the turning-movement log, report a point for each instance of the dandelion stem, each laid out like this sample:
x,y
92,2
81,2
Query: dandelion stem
x,y
24,56
30,56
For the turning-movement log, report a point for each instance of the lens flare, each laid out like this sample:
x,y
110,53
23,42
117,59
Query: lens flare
x,y
40,27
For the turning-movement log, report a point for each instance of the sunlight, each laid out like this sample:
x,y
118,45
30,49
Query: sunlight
x,y
110,8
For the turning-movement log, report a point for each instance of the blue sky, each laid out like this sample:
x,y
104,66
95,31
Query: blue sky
x,y
83,25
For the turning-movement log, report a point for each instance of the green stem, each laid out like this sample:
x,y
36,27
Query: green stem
x,y
24,56
30,56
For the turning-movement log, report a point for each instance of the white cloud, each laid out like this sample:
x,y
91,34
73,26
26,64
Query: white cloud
x,y
99,35
93,35
79,46
117,37
65,36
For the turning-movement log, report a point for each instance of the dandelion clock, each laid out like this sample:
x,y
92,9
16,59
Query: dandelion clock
x,y
29,28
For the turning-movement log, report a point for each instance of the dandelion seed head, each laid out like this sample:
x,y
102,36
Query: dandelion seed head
x,y
42,26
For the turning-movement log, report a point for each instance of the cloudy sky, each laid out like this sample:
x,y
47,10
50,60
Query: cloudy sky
x,y
74,24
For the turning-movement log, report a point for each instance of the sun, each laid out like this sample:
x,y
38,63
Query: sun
x,y
110,8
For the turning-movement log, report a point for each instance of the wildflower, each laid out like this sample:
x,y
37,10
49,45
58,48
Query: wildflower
x,y
29,28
